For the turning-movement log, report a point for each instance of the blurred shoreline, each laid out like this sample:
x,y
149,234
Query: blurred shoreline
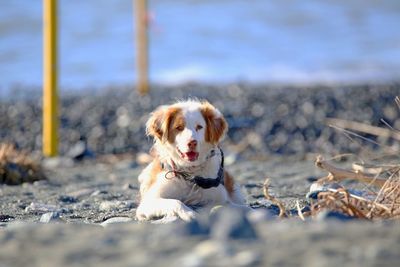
x,y
213,41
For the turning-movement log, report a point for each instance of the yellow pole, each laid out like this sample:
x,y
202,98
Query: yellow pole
x,y
50,95
142,46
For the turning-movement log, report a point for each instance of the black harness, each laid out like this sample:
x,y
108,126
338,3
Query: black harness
x,y
202,182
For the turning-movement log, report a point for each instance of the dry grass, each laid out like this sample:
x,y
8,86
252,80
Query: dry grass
x,y
382,202
380,182
17,167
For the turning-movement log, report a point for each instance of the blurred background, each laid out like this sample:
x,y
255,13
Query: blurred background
x,y
210,41
276,69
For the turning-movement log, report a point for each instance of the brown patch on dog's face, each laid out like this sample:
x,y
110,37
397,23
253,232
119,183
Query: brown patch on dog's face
x,y
175,124
216,124
165,123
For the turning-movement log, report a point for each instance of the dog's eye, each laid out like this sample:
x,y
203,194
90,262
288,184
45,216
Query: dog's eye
x,y
199,127
179,128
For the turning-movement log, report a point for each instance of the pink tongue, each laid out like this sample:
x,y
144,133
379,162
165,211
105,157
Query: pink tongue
x,y
192,156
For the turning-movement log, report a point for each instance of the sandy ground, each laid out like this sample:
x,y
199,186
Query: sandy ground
x,y
84,216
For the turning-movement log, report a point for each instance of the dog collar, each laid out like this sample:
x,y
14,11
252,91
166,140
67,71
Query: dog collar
x,y
202,182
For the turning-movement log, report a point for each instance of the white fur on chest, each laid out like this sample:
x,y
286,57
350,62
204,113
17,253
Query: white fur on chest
x,y
168,186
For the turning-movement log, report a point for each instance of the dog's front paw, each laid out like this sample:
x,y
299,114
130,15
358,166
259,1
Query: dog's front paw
x,y
141,215
186,215
164,208
175,208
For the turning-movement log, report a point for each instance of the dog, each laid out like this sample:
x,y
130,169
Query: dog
x,y
187,170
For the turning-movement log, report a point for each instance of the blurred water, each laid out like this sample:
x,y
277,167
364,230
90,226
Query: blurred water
x,y
207,40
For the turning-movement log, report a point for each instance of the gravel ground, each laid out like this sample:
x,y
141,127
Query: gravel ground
x,y
84,216
84,213
91,192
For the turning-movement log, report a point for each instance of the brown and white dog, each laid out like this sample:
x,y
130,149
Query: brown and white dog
x,y
188,167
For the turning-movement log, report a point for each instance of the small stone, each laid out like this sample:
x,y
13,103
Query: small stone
x,y
79,151
82,206
67,199
98,192
115,205
329,215
81,193
203,251
129,187
26,185
40,183
6,218
208,248
124,164
259,215
40,208
191,260
194,227
49,217
230,223
123,120
115,220
108,206
247,258
56,162
317,187
312,179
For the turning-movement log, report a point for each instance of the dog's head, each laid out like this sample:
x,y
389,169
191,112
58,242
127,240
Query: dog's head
x,y
187,131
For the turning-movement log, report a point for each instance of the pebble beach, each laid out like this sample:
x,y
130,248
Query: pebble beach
x,y
84,213
264,120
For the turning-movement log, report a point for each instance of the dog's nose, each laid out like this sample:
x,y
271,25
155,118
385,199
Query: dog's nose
x,y
192,144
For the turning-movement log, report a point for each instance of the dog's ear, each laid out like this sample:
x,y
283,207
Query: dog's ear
x,y
159,124
216,125
154,124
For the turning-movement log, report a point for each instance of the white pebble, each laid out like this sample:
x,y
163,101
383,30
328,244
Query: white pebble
x,y
49,217
115,220
39,207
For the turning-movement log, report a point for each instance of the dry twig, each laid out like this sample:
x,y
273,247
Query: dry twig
x,y
338,174
274,200
364,128
299,212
